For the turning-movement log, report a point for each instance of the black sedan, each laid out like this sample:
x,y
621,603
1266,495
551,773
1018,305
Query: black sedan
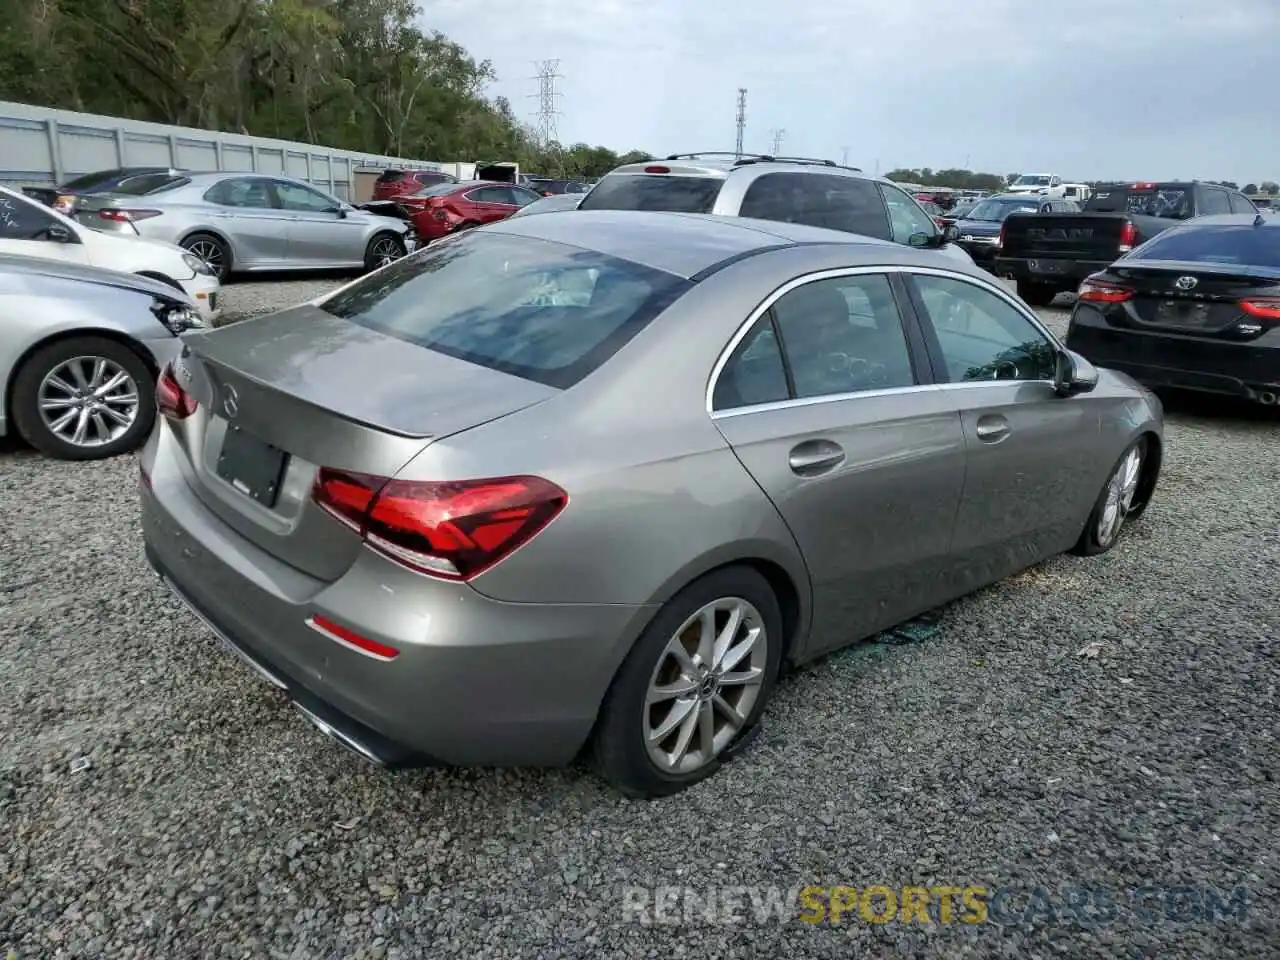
x,y
1196,307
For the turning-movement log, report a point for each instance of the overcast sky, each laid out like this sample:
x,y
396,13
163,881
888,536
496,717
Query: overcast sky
x,y
1089,89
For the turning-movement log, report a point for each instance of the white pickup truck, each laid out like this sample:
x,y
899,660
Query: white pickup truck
x,y
1043,184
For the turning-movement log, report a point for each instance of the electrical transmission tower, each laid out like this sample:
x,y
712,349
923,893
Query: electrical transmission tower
x,y
742,118
778,134
546,95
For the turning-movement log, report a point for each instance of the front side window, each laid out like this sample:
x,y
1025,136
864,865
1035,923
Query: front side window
x,y
20,220
543,311
1214,201
847,204
294,196
982,336
905,216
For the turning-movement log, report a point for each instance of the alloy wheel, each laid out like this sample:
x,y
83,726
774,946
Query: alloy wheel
x,y
705,685
88,401
1121,489
209,252
386,251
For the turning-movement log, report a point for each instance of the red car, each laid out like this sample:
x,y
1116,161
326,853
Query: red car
x,y
396,183
446,207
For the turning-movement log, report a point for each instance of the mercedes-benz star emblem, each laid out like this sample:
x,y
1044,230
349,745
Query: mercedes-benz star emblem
x,y
230,401
1185,283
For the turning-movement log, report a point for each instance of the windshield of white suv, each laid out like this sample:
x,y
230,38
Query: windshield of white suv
x,y
656,191
1032,180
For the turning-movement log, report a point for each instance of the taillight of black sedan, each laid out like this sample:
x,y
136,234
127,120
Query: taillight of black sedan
x,y
1195,308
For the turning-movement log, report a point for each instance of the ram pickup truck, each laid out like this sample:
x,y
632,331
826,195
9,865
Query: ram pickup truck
x,y
1049,254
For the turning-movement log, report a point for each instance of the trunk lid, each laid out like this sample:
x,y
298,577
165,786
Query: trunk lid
x,y
284,395
1208,308
1063,236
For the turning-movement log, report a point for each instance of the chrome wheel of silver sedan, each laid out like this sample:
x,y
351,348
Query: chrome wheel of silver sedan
x,y
209,251
88,401
1118,499
385,250
705,685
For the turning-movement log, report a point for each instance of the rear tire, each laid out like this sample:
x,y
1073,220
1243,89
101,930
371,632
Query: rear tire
x,y
212,251
640,702
1120,493
1037,294
40,404
383,249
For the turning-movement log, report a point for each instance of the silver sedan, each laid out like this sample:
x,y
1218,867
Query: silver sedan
x,y
591,479
244,222
80,348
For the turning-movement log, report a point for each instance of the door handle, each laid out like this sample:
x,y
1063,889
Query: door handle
x,y
815,457
992,428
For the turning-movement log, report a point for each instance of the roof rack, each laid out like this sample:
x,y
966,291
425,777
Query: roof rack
x,y
810,160
713,153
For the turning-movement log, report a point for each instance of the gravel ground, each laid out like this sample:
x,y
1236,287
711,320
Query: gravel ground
x,y
158,801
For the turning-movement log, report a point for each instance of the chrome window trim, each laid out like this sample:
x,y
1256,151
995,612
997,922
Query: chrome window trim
x,y
752,318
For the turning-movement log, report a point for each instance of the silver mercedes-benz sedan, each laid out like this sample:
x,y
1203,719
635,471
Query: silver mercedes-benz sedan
x,y
589,480
243,222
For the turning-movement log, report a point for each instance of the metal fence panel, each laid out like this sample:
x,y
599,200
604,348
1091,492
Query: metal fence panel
x,y
40,147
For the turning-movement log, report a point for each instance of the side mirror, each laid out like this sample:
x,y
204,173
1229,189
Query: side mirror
x,y
1073,374
339,212
950,233
918,240
60,234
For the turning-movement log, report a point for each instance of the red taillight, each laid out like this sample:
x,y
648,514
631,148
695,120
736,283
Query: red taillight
x,y
656,169
1128,236
1263,308
336,631
127,216
1142,186
1000,241
1094,291
171,399
449,529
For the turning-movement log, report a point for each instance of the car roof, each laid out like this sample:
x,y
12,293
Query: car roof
x,y
701,165
684,244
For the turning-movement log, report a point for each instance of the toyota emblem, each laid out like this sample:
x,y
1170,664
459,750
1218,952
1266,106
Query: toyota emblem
x,y
230,401
1186,283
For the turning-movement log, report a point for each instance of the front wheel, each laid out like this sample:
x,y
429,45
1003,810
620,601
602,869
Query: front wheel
x,y
1117,503
84,398
696,681
383,249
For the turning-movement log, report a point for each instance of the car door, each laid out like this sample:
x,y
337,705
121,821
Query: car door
x,y
245,209
1029,465
30,230
492,203
321,232
826,401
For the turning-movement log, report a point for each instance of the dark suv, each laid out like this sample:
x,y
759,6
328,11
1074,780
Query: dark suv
x,y
401,183
819,193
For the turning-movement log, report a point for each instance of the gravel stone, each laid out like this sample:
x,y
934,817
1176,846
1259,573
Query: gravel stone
x,y
210,821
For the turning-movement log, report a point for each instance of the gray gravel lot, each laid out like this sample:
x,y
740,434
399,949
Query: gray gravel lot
x,y
209,821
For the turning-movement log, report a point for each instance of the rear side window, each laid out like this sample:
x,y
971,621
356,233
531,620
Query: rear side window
x,y
654,191
838,203
1244,244
542,311
1215,201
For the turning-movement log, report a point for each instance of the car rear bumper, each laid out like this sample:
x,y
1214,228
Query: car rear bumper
x,y
1064,273
477,682
1186,363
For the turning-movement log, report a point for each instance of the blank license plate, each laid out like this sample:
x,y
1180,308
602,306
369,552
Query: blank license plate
x,y
1046,266
1182,314
252,466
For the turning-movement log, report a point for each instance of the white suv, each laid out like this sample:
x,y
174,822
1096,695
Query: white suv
x,y
819,193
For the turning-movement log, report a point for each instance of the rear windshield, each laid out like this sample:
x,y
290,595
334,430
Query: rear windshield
x,y
436,189
1169,203
388,175
643,191
994,211
149,183
1228,244
543,311
91,179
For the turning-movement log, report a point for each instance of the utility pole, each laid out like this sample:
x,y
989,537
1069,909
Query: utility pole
x,y
778,134
742,119
547,76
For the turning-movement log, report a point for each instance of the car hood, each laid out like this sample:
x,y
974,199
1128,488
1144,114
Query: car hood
x,y
63,270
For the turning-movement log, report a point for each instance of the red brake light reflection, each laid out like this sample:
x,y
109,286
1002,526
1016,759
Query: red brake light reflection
x,y
172,399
